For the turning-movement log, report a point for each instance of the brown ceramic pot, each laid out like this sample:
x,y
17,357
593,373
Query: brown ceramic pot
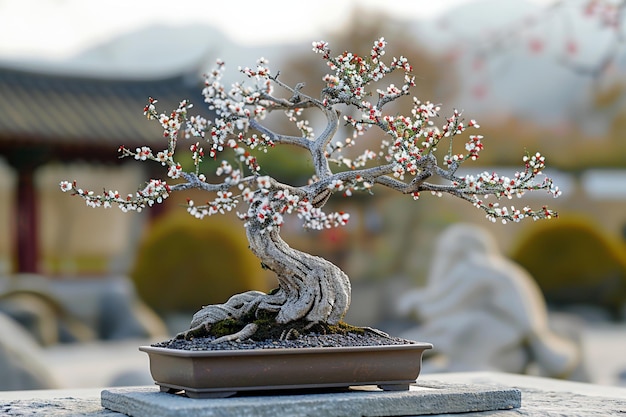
x,y
223,373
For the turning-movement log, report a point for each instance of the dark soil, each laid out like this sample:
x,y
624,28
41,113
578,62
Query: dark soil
x,y
364,337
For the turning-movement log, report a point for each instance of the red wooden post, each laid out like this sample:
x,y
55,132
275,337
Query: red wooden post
x,y
26,232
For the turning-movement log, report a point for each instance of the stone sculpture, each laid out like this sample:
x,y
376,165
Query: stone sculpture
x,y
482,311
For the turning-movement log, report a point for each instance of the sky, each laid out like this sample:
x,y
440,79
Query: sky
x,y
55,29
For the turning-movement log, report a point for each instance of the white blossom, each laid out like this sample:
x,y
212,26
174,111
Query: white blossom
x,y
414,145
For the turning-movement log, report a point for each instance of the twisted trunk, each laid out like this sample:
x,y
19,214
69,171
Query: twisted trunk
x,y
310,288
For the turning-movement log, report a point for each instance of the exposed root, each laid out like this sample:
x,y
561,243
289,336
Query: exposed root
x,y
247,332
235,309
376,331
309,326
197,331
289,334
259,326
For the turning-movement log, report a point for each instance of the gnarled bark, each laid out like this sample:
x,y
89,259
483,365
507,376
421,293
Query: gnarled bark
x,y
311,289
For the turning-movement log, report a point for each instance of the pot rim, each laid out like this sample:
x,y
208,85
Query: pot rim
x,y
282,351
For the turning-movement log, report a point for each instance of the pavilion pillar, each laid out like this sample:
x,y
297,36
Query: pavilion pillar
x,y
25,211
26,231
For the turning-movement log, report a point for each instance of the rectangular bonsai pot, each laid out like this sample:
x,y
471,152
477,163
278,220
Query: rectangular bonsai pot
x,y
222,373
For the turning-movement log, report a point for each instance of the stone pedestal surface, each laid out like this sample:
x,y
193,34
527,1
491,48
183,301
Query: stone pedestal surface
x,y
422,399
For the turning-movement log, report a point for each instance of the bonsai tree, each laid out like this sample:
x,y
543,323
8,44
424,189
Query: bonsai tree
x,y
405,158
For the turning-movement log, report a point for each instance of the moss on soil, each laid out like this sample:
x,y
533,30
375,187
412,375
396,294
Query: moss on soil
x,y
269,329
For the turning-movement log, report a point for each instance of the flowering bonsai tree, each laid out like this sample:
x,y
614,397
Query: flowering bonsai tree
x,y
412,156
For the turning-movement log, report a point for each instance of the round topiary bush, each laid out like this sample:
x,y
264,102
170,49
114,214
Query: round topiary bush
x,y
184,263
575,263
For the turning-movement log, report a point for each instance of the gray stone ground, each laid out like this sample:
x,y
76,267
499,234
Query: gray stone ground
x,y
604,348
54,403
548,397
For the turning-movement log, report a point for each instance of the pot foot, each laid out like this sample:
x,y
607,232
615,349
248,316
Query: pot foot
x,y
394,387
206,395
196,394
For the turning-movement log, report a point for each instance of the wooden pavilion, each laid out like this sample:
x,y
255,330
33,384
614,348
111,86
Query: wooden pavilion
x,y
47,117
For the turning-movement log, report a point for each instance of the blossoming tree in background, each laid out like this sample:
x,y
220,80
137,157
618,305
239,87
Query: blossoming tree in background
x,y
560,30
413,154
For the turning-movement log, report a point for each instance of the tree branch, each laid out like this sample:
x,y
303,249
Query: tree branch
x,y
277,138
318,150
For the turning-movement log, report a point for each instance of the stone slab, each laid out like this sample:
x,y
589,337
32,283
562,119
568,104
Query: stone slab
x,y
424,398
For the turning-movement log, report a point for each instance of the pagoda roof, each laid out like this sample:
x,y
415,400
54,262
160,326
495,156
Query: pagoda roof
x,y
80,116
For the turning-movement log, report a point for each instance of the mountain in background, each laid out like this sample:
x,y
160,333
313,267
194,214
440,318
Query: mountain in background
x,y
509,57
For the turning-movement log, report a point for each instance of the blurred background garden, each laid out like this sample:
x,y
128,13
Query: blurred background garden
x,y
545,76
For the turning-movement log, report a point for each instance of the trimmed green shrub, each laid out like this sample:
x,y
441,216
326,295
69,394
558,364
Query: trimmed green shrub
x,y
575,263
184,263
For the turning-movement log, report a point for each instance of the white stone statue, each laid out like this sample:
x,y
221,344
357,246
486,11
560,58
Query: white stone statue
x,y
482,311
